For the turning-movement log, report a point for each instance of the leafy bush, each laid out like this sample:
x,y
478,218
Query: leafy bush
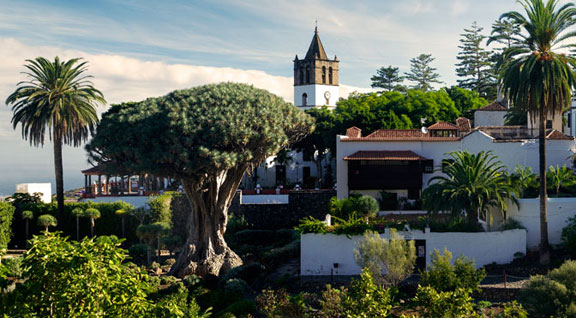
x,y
281,254
46,221
444,304
89,278
6,214
455,225
312,225
443,276
569,236
395,255
13,265
248,273
138,251
240,308
512,224
366,299
513,310
160,207
367,206
553,295
236,286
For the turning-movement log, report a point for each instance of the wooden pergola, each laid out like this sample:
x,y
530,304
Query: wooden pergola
x,y
119,184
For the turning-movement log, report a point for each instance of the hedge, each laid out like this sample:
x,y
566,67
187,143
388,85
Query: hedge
x,y
108,224
6,216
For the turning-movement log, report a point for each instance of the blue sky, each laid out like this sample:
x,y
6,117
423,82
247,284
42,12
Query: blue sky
x,y
140,48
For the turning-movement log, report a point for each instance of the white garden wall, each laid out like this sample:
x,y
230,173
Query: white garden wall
x,y
528,214
319,252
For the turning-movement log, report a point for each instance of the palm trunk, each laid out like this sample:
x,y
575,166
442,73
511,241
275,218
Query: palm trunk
x,y
206,251
544,247
59,174
92,227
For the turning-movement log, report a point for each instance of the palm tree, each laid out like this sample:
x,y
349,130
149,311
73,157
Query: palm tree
x,y
27,216
57,99
539,80
559,177
78,213
47,220
523,178
474,183
92,214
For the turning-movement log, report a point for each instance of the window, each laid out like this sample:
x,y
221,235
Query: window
x,y
330,75
307,74
548,124
446,163
428,166
301,75
324,75
304,99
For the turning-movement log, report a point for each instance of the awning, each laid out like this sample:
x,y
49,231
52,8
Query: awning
x,y
384,155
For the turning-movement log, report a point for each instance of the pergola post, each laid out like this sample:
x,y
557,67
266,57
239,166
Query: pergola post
x,y
129,185
99,192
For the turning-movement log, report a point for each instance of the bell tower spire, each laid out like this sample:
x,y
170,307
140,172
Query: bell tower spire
x,y
316,77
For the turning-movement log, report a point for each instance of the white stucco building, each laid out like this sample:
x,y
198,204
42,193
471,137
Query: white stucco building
x,y
42,189
403,161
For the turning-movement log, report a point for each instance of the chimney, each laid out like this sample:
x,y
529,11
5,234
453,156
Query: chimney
x,y
354,132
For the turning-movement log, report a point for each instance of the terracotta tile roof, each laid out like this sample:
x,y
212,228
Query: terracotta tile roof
x,y
400,135
396,133
443,126
385,155
494,107
556,135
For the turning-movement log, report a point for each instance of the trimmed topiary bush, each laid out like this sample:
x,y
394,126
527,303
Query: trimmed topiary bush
x,y
46,221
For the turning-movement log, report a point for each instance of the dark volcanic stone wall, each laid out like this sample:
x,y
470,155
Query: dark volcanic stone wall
x,y
268,216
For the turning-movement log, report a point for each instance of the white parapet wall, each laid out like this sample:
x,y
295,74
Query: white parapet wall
x,y
528,214
43,189
265,199
319,252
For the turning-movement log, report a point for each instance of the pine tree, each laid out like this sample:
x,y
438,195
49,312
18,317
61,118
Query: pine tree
x,y
507,34
388,79
422,73
476,67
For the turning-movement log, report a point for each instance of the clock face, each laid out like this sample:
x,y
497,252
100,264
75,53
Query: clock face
x,y
327,94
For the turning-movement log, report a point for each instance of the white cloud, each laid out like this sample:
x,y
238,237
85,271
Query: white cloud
x,y
460,7
124,79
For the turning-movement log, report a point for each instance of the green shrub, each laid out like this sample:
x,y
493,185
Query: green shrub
x,y
138,251
513,310
569,236
366,299
248,273
6,215
396,255
240,308
346,207
367,206
46,221
553,295
512,224
236,224
160,207
236,286
282,254
13,265
455,225
444,304
279,304
443,276
312,225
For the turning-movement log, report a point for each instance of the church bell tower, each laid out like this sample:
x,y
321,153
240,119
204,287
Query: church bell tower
x,y
316,77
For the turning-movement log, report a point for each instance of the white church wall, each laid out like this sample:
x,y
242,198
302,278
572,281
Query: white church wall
x,y
489,118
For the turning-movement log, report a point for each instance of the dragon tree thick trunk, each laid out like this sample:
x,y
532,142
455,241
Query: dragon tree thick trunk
x,y
59,175
544,246
206,251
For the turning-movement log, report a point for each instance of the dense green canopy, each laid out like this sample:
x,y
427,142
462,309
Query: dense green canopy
x,y
191,132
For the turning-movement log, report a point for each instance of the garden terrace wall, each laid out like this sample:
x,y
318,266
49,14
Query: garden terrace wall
x,y
319,252
528,214
315,203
